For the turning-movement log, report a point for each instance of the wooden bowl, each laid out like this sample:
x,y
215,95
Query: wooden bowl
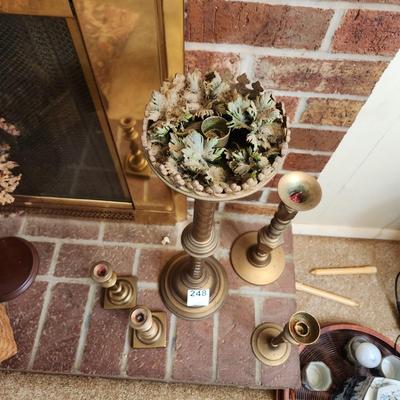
x,y
330,349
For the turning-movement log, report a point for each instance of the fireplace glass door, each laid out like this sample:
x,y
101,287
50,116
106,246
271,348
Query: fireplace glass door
x,y
72,72
62,150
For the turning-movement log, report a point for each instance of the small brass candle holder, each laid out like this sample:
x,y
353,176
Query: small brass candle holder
x,y
149,328
135,163
120,291
257,257
272,345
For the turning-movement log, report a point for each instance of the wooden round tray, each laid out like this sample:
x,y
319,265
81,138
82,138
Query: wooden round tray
x,y
330,349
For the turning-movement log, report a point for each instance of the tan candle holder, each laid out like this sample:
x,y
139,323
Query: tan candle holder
x,y
272,345
258,257
135,163
120,291
149,328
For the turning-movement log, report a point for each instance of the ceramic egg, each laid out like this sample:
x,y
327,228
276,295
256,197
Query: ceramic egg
x,y
368,355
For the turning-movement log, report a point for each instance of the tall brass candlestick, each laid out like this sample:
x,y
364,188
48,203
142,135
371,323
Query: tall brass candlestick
x,y
195,269
257,257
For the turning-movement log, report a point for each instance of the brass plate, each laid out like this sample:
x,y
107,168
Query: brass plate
x,y
246,270
107,305
267,354
162,340
174,291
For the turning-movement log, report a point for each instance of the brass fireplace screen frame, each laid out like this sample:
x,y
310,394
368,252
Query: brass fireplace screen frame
x,y
170,54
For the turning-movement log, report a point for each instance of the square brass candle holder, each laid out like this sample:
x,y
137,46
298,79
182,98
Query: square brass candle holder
x,y
120,292
149,329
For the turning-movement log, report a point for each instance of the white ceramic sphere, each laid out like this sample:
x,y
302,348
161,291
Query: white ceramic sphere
x,y
368,355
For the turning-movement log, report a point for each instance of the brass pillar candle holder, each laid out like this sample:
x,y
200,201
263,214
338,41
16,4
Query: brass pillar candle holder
x,y
193,284
195,272
257,257
149,328
272,345
120,291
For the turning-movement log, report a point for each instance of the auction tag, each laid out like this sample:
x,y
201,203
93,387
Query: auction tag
x,y
197,297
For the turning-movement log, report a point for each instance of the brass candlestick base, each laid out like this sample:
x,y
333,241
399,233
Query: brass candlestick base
x,y
175,281
272,345
257,257
262,275
149,328
120,292
262,348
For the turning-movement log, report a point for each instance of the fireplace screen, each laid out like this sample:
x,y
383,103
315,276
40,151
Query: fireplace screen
x,y
62,150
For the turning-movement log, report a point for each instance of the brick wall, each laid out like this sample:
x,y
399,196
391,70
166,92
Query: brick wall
x,y
322,58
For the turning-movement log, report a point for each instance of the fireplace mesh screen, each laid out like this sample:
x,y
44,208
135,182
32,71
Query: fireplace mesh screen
x,y
61,151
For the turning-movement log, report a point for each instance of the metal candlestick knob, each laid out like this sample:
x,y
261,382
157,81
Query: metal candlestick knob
x,y
257,257
272,345
120,291
136,163
149,328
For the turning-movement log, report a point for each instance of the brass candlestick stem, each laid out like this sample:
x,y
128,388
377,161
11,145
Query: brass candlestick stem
x,y
195,269
136,163
257,257
120,292
149,328
272,345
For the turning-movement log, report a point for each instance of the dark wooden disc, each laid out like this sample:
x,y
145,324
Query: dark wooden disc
x,y
19,264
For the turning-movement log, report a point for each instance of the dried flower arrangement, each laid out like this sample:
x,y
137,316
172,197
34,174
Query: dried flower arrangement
x,y
8,181
213,135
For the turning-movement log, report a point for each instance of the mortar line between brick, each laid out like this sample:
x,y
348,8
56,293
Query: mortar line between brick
x,y
320,127
42,320
244,291
135,266
87,315
301,107
318,95
257,320
22,227
170,348
214,370
264,196
88,281
64,279
101,231
247,65
248,292
327,4
311,152
281,52
54,258
95,242
125,353
333,25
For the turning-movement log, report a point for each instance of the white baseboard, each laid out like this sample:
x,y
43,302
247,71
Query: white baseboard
x,y
345,231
